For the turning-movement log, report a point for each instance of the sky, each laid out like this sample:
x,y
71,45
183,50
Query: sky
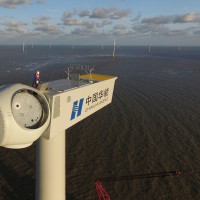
x,y
97,22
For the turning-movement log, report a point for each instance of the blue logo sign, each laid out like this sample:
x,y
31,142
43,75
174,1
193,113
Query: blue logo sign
x,y
77,108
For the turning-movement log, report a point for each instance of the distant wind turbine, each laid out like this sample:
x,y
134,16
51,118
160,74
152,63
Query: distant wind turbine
x,y
23,47
179,47
113,55
150,48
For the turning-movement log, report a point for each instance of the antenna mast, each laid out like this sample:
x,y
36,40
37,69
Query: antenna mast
x,y
69,69
89,70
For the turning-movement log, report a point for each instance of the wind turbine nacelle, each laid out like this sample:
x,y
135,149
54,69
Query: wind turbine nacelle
x,y
27,113
70,106
24,115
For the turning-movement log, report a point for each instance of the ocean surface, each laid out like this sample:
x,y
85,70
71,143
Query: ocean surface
x,y
151,126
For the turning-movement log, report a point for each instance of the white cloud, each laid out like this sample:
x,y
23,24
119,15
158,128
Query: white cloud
x,y
68,14
111,13
14,24
49,29
40,20
17,27
123,33
119,27
13,3
84,13
187,18
162,30
20,30
177,32
150,29
137,18
84,31
78,22
41,1
103,23
158,20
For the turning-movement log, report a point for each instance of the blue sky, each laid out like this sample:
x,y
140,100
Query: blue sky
x,y
92,22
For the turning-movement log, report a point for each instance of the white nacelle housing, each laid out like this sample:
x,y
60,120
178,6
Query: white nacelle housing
x,y
70,105
27,113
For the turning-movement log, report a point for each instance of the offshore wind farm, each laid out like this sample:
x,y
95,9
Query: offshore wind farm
x,y
143,145
152,125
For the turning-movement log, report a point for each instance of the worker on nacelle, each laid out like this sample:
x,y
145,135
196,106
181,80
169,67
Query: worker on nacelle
x,y
36,79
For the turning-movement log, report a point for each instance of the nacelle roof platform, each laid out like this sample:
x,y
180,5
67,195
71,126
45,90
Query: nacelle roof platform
x,y
69,84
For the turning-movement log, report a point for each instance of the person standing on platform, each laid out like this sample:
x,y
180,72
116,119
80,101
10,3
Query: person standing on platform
x,y
36,79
